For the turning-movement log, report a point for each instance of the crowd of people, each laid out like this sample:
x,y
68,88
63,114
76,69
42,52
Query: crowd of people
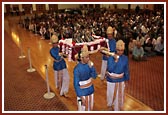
x,y
144,26
139,33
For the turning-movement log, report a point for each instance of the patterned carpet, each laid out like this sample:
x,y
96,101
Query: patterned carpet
x,y
28,95
147,82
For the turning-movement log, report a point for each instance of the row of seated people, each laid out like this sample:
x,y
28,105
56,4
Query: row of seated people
x,y
46,33
44,30
146,47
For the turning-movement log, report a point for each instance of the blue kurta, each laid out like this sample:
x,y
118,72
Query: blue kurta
x,y
83,72
118,67
59,62
112,46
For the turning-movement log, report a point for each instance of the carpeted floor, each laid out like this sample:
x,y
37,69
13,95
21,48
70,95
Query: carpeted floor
x,y
24,91
147,82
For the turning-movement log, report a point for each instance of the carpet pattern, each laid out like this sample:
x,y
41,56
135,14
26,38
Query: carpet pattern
x,y
24,91
147,82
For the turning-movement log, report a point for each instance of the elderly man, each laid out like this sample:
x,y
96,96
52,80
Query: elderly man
x,y
117,72
61,74
84,72
138,52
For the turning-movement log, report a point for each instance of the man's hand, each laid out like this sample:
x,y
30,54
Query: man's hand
x,y
116,57
60,54
90,63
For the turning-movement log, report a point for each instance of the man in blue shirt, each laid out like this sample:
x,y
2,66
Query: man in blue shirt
x,y
117,72
111,47
84,73
61,74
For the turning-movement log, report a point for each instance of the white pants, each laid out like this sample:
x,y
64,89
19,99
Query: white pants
x,y
103,69
115,95
89,100
65,81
